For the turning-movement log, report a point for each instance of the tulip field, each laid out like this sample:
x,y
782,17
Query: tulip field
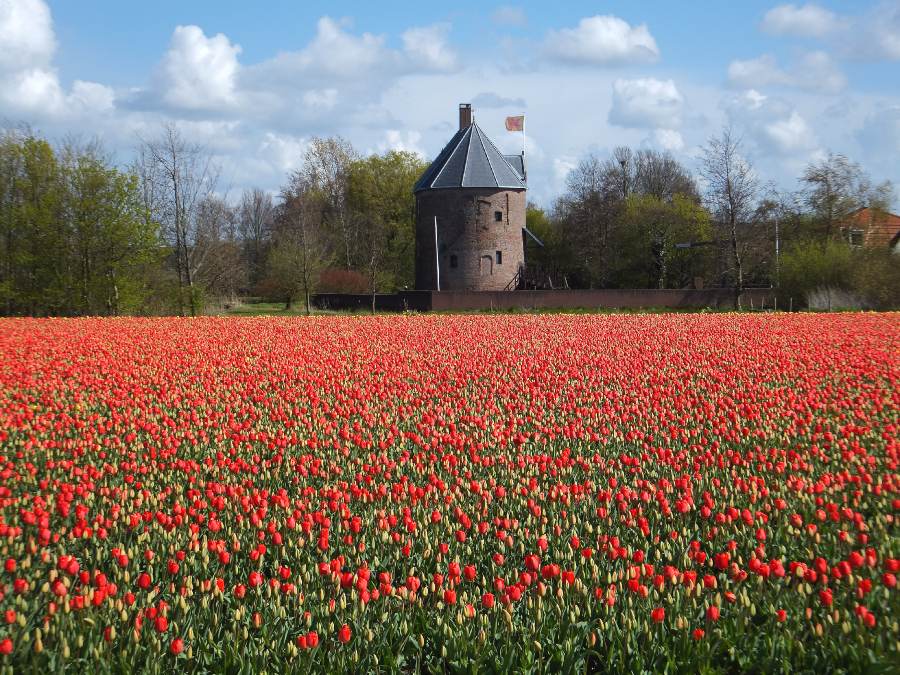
x,y
499,493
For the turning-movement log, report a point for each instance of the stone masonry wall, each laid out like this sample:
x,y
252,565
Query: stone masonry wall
x,y
468,231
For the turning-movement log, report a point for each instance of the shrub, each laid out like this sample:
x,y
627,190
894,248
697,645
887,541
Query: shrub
x,y
335,280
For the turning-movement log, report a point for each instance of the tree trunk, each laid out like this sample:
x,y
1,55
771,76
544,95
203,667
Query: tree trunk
x,y
373,275
738,268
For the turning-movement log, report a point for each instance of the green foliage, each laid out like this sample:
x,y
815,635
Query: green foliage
x,y
381,201
876,277
873,276
647,255
75,237
806,266
556,252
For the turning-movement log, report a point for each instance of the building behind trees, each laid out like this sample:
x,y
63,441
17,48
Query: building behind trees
x,y
82,235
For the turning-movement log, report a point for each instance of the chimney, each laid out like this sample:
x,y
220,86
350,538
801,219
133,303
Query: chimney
x,y
465,115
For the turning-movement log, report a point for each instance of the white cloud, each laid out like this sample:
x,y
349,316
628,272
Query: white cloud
x,y
284,152
562,167
396,139
427,47
91,96
508,15
401,90
790,135
489,99
772,125
199,72
809,20
669,139
323,99
753,99
817,71
758,72
602,40
333,54
337,52
29,83
339,65
646,103
879,140
26,35
876,35
870,36
32,90
814,71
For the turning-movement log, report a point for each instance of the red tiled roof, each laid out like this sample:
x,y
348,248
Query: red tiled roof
x,y
880,228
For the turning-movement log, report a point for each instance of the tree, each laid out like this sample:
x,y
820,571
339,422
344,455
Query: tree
x,y
75,238
217,252
647,252
255,215
300,250
111,237
660,175
178,176
731,190
325,168
381,201
588,211
11,258
834,188
47,272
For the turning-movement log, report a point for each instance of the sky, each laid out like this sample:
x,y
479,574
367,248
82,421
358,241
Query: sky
x,y
254,82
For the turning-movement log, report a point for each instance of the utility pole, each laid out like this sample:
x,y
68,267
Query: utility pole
x,y
437,257
624,179
777,251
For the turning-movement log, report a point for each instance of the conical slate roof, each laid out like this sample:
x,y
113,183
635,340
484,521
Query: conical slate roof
x,y
470,160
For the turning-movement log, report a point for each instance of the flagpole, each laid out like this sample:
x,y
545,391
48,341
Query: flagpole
x,y
523,139
437,257
523,146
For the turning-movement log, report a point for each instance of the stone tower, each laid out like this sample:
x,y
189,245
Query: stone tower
x,y
477,195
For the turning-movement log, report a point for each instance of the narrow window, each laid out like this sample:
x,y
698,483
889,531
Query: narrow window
x,y
856,238
498,216
454,261
499,257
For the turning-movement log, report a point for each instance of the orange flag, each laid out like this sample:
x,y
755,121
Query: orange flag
x,y
515,123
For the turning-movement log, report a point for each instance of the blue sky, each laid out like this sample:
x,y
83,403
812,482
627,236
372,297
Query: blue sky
x,y
253,82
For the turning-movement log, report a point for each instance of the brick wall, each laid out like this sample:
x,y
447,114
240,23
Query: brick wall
x,y
423,301
469,236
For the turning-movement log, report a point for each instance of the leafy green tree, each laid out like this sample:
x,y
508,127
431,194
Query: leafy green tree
x,y
810,265
382,203
111,237
75,236
554,257
647,243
